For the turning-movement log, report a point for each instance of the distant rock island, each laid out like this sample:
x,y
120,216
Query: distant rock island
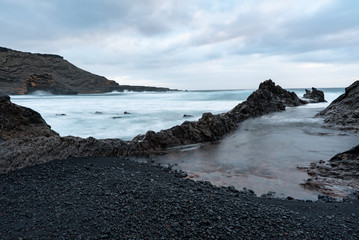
x,y
24,73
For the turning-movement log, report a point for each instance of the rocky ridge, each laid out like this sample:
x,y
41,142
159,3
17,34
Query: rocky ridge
x,y
53,73
20,152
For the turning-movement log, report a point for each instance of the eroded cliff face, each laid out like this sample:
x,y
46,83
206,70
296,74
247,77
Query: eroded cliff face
x,y
45,82
23,150
16,68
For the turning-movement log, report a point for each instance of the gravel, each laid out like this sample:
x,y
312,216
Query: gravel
x,y
113,198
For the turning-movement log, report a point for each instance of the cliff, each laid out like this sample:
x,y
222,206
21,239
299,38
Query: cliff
x,y
24,72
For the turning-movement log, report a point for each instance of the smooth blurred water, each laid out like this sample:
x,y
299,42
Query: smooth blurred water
x,y
262,154
102,115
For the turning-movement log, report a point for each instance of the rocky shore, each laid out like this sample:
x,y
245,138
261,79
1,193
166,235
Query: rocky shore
x,y
339,175
115,198
106,195
335,177
28,150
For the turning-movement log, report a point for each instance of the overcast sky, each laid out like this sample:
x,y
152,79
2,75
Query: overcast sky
x,y
194,44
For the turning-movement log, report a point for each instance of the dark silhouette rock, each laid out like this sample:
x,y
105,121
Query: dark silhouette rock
x,y
21,122
17,67
314,96
23,151
336,177
343,112
187,116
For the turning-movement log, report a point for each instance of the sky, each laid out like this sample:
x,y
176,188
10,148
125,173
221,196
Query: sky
x,y
194,44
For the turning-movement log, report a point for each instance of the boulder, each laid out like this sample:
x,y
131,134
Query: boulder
x,y
314,96
343,112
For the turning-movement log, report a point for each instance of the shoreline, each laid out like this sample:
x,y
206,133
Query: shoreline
x,y
99,197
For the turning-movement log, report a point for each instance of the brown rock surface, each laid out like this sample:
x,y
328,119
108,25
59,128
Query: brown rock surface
x,y
45,82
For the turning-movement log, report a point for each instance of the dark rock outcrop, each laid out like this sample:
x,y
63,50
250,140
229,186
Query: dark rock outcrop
x,y
343,112
16,67
314,96
21,122
336,177
21,151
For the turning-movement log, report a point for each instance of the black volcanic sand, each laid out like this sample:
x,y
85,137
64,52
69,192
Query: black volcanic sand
x,y
108,198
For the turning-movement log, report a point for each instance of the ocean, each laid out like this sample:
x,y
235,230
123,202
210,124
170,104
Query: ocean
x,y
262,154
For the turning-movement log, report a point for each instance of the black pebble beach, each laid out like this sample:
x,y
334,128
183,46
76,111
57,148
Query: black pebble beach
x,y
111,198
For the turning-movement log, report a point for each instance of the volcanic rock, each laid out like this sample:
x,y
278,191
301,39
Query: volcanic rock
x,y
314,96
343,112
336,177
21,122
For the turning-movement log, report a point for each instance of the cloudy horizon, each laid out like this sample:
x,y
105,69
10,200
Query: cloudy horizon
x,y
193,44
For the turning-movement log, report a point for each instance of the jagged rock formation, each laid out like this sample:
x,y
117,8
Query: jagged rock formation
x,y
314,96
343,112
19,152
336,177
16,67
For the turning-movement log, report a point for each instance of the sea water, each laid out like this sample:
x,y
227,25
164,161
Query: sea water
x,y
262,154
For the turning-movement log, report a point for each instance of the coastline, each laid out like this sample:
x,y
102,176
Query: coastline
x,y
105,197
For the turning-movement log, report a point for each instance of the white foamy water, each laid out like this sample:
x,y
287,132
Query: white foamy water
x,y
102,115
262,154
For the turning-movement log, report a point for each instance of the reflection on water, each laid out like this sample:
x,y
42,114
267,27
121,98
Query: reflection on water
x,y
263,153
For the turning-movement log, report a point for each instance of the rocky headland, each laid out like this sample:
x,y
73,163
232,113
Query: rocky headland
x,y
17,152
24,73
